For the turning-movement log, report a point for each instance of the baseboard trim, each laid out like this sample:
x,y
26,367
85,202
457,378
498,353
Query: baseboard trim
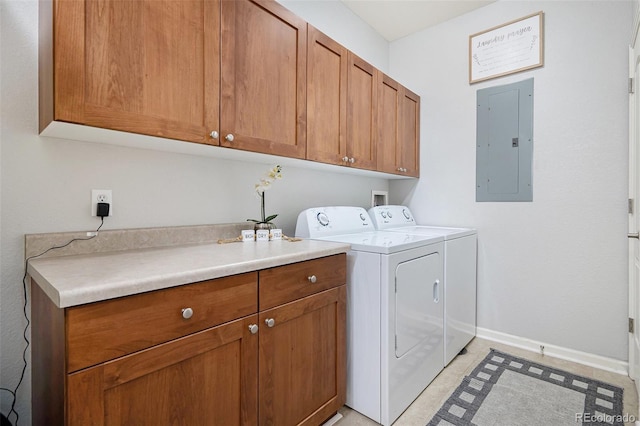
x,y
333,420
591,360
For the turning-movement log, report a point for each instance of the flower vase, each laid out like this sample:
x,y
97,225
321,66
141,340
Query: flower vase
x,y
263,225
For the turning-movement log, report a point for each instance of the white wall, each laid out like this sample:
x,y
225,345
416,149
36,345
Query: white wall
x,y
555,269
337,21
46,183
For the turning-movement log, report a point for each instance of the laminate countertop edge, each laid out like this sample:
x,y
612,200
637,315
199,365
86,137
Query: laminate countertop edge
x,y
87,278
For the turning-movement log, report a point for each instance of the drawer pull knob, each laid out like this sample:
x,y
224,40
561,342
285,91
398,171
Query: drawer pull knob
x,y
312,279
187,313
253,328
270,322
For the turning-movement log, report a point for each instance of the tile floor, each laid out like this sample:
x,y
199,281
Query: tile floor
x,y
427,404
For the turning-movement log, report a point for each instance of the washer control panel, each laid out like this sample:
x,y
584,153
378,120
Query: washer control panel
x,y
385,217
320,222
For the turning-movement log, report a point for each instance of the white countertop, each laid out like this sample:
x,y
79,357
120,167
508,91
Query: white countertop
x,y
87,278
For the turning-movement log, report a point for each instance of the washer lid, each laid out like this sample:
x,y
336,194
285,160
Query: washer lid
x,y
435,231
384,242
400,219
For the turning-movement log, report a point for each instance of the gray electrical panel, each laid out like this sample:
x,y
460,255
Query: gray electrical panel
x,y
504,143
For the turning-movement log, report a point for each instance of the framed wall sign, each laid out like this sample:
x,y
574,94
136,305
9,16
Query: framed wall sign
x,y
506,49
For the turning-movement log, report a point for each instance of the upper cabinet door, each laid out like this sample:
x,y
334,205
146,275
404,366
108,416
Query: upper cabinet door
x,y
148,66
399,129
326,99
263,86
388,125
409,133
362,109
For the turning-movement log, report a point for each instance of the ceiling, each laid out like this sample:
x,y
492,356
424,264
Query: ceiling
x,y
394,19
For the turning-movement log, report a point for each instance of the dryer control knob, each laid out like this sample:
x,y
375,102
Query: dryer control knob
x,y
323,219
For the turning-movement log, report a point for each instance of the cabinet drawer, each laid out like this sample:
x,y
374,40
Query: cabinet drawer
x,y
291,282
106,330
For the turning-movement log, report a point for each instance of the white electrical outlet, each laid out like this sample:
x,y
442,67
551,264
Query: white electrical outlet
x,y
101,196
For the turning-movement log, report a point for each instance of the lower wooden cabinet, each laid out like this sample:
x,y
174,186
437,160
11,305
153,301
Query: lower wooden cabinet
x,y
302,360
207,378
280,364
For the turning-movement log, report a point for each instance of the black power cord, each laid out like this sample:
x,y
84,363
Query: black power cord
x,y
14,392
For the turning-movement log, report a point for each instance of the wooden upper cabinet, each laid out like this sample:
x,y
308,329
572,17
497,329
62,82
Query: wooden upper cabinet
x,y
389,94
326,99
398,141
409,131
263,86
362,107
245,74
148,66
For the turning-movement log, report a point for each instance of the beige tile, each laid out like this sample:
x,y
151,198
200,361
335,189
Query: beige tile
x,y
431,399
353,418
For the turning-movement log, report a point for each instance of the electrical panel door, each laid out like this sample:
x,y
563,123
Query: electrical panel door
x,y
504,146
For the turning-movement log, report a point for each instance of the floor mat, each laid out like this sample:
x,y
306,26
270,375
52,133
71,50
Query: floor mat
x,y
511,391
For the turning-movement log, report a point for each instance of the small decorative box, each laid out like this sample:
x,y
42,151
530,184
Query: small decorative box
x,y
276,234
248,235
262,235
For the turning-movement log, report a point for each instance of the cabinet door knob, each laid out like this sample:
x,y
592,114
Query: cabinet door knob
x,y
352,160
253,328
187,313
214,134
229,137
345,159
312,279
270,322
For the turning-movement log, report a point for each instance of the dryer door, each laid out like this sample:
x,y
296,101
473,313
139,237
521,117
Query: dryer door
x,y
419,302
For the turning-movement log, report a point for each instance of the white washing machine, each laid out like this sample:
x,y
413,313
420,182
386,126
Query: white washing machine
x,y
394,309
460,277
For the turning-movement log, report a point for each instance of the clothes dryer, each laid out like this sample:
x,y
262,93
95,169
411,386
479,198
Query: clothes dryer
x,y
394,309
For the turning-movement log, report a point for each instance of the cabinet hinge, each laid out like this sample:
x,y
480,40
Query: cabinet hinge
x,y
631,325
630,205
631,85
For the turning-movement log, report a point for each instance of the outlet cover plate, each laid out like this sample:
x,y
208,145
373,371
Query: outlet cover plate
x,y
101,196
